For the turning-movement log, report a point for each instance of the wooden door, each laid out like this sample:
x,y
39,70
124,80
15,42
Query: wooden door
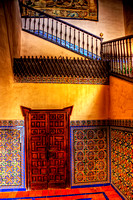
x,y
47,148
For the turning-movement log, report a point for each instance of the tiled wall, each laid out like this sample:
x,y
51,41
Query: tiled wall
x,y
12,165
121,160
89,155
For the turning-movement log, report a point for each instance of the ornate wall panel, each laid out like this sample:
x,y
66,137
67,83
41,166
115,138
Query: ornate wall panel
x,y
122,160
86,9
12,157
89,155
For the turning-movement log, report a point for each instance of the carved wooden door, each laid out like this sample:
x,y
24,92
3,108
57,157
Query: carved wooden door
x,y
47,148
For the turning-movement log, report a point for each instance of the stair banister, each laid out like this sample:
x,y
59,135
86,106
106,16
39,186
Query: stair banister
x,y
119,52
61,32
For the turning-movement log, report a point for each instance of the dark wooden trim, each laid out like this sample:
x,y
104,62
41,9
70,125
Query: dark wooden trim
x,y
25,112
125,78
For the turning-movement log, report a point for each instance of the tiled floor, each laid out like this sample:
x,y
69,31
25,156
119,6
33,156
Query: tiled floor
x,y
93,193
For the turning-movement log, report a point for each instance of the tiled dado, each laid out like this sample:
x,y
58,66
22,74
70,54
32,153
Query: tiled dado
x,y
89,155
122,160
12,163
14,130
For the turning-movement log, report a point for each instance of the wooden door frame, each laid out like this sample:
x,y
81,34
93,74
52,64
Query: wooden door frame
x,y
25,112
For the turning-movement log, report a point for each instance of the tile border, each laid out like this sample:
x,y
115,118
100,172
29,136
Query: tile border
x,y
11,122
115,122
121,122
61,80
89,123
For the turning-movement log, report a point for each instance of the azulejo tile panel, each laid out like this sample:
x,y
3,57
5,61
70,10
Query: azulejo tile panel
x,y
89,158
121,160
12,173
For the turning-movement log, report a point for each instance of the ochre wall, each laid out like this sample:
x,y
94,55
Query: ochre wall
x,y
89,101
121,99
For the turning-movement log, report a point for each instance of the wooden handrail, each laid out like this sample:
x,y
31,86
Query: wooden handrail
x,y
121,38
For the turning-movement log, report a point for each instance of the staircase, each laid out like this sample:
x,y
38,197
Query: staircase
x,y
61,33
101,58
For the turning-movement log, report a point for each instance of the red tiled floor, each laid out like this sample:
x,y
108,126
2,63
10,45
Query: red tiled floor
x,y
108,190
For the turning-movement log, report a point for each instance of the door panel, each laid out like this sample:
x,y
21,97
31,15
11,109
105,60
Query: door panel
x,y
57,150
38,176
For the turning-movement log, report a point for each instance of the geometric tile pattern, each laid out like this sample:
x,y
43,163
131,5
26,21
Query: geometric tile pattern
x,y
116,122
122,160
11,157
90,155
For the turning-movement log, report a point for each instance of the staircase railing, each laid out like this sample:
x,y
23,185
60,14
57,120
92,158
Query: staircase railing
x,y
119,52
60,32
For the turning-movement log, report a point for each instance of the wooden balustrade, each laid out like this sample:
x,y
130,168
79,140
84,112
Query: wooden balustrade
x,y
119,52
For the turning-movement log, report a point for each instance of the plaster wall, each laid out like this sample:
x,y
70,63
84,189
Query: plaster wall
x,y
13,25
89,101
121,99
